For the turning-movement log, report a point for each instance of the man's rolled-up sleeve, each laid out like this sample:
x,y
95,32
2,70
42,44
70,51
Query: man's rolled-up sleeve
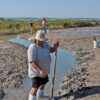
x,y
32,53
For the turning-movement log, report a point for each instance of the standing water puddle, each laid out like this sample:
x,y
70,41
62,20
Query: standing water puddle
x,y
5,47
65,63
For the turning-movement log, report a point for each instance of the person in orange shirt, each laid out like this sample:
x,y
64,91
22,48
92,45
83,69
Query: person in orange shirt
x,y
44,23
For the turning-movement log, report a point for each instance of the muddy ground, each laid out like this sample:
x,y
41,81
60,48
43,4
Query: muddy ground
x,y
82,83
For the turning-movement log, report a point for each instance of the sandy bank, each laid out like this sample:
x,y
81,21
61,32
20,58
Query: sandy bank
x,y
13,65
82,83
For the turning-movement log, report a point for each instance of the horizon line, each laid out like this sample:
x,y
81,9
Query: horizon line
x,y
50,17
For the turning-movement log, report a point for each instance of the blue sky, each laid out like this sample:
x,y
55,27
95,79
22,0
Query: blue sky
x,y
50,8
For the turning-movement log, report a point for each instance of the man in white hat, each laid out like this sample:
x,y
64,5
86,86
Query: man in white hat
x,y
39,64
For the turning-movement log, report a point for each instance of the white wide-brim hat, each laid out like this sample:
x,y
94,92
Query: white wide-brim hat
x,y
40,35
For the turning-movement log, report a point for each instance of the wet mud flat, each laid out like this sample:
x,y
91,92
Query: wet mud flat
x,y
13,65
79,82
83,82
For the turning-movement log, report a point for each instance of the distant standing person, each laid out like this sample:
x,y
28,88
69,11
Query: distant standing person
x,y
44,23
32,27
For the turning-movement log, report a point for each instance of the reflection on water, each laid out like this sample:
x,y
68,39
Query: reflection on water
x,y
65,62
10,36
20,41
5,47
7,37
90,31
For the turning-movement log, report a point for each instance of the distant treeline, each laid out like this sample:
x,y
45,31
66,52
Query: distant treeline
x,y
22,26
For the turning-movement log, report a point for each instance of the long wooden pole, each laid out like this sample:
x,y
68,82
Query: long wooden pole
x,y
53,78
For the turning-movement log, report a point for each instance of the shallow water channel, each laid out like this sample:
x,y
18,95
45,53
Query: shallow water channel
x,y
65,63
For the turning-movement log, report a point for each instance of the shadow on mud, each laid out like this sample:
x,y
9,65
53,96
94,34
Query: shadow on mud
x,y
85,91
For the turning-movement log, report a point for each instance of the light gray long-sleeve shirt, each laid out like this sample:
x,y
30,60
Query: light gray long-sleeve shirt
x,y
41,56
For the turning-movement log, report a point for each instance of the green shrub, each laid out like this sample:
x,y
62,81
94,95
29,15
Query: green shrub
x,y
94,38
2,19
23,25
